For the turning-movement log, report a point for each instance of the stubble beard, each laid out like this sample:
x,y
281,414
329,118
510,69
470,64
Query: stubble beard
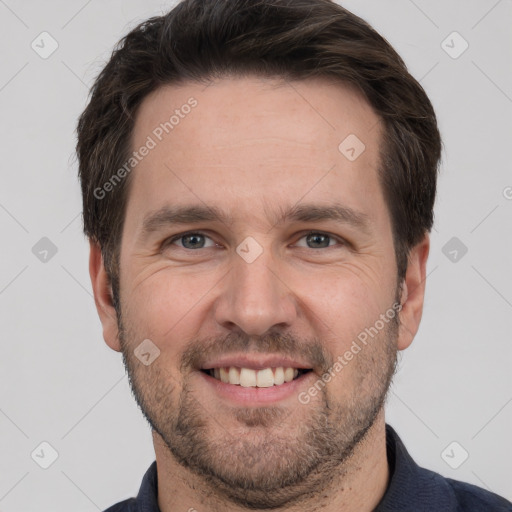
x,y
266,462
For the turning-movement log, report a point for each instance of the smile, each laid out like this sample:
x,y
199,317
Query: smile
x,y
249,378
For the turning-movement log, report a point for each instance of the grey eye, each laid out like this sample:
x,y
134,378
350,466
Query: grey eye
x,y
317,240
192,240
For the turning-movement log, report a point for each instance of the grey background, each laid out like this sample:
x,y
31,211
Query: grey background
x,y
59,382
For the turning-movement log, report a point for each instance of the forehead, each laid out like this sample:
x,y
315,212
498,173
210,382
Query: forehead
x,y
257,106
242,140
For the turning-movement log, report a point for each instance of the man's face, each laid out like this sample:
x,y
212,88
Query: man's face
x,y
273,283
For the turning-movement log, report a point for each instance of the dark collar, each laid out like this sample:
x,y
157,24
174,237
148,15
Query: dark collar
x,y
410,487
147,499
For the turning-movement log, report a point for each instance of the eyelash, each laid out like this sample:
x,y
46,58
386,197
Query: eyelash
x,y
171,240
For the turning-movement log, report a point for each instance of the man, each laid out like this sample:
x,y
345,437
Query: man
x,y
258,182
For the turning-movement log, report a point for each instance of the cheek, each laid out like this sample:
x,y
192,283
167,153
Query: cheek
x,y
344,304
165,303
335,304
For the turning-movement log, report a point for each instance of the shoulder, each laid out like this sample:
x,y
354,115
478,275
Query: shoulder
x,y
413,487
147,497
475,499
129,505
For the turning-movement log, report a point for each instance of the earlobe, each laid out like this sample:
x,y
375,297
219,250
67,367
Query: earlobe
x,y
413,293
103,297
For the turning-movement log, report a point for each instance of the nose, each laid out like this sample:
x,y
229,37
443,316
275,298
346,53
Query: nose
x,y
255,298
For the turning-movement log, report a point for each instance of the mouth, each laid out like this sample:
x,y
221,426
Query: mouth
x,y
250,378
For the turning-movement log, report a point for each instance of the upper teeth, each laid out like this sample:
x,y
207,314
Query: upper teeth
x,y
248,377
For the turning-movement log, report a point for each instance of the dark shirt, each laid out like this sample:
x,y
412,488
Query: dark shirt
x,y
411,489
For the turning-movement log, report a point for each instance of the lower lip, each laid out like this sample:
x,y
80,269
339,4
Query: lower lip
x,y
257,396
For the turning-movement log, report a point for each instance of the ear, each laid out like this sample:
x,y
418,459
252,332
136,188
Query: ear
x,y
103,297
413,293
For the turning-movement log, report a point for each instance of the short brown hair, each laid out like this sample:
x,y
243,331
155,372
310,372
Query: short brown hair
x,y
200,40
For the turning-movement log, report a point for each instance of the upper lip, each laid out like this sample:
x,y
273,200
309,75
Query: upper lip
x,y
254,362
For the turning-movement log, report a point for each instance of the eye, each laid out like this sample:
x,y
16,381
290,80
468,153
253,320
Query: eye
x,y
198,240
190,240
319,240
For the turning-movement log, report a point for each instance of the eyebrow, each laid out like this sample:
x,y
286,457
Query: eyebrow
x,y
317,213
194,214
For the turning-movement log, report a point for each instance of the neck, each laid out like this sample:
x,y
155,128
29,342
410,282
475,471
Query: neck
x,y
358,486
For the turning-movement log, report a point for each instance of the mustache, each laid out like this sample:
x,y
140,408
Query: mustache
x,y
197,352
